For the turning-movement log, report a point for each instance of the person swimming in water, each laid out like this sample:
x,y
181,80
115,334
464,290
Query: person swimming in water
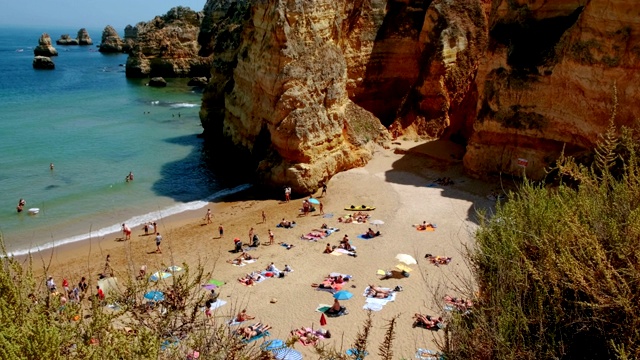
x,y
21,205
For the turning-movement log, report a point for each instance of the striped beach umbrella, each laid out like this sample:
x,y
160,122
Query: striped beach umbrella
x,y
287,354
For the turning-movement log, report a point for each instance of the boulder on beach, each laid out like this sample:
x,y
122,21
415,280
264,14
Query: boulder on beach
x,y
157,82
43,63
44,47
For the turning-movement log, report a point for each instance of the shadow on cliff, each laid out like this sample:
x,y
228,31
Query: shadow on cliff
x,y
200,174
430,161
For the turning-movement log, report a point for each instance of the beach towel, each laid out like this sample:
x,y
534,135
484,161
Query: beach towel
x,y
364,237
391,297
336,253
251,261
323,307
292,225
345,277
216,304
424,354
355,352
233,322
241,264
327,216
372,306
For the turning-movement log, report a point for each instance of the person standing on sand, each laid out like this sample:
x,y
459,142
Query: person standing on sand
x,y
158,241
324,190
221,230
208,216
321,207
250,235
264,217
126,231
287,194
108,271
271,237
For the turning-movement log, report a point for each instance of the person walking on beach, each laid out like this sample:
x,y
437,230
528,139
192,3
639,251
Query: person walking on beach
x,y
264,217
287,194
208,216
126,231
221,230
158,241
321,207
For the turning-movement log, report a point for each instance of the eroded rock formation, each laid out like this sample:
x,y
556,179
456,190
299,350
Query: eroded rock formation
x,y
279,87
43,63
65,39
111,41
303,85
547,81
44,47
84,38
167,46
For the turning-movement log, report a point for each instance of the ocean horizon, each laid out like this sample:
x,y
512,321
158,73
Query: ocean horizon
x,y
95,126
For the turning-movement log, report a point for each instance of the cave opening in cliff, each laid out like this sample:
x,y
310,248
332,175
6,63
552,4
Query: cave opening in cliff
x,y
532,42
261,145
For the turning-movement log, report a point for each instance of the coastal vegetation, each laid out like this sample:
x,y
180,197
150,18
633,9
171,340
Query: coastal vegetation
x,y
557,265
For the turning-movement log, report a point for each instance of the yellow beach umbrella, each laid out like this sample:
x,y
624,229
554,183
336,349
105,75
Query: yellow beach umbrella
x,y
404,268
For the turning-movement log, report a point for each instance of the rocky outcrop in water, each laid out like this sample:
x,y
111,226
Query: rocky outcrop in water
x,y
43,63
44,47
157,82
111,41
65,39
84,38
167,46
302,85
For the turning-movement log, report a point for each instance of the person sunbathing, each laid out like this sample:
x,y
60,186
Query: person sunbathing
x,y
458,303
243,316
328,249
347,246
378,292
427,321
242,257
286,223
251,331
438,260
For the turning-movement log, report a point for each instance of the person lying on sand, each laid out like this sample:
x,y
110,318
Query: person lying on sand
x,y
378,292
427,321
244,256
250,279
371,234
286,223
438,260
458,303
254,330
424,226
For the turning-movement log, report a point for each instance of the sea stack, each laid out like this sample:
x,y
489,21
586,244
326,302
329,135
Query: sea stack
x,y
65,39
44,47
111,41
84,38
43,63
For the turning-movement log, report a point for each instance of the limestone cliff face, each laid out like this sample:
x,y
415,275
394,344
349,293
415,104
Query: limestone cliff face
x,y
304,85
278,86
84,38
167,46
547,81
44,47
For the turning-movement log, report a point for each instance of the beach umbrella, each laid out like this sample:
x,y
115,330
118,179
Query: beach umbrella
x,y
159,275
209,286
287,354
343,295
376,222
314,201
174,268
215,282
272,345
407,259
154,295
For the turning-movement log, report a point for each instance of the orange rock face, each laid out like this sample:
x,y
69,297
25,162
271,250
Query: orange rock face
x,y
304,86
549,82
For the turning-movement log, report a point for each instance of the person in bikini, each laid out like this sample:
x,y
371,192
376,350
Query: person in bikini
x,y
243,316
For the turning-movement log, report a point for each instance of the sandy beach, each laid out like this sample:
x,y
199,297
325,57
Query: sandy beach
x,y
398,181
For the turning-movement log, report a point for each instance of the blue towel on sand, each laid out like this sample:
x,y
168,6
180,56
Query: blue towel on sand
x,y
364,237
259,336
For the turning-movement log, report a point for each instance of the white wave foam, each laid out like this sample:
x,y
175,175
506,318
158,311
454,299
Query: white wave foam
x,y
136,220
156,102
183,105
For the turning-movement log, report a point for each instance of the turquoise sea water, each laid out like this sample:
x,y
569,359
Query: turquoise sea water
x,y
95,126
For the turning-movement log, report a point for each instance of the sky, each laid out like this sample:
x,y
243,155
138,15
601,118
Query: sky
x,y
93,14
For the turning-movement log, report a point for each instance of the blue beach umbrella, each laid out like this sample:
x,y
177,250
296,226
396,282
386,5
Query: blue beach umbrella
x,y
271,345
343,295
287,354
154,295
314,201
159,275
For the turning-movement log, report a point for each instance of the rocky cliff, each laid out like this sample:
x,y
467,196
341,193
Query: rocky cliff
x,y
84,38
547,81
167,46
44,47
279,86
111,41
303,86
